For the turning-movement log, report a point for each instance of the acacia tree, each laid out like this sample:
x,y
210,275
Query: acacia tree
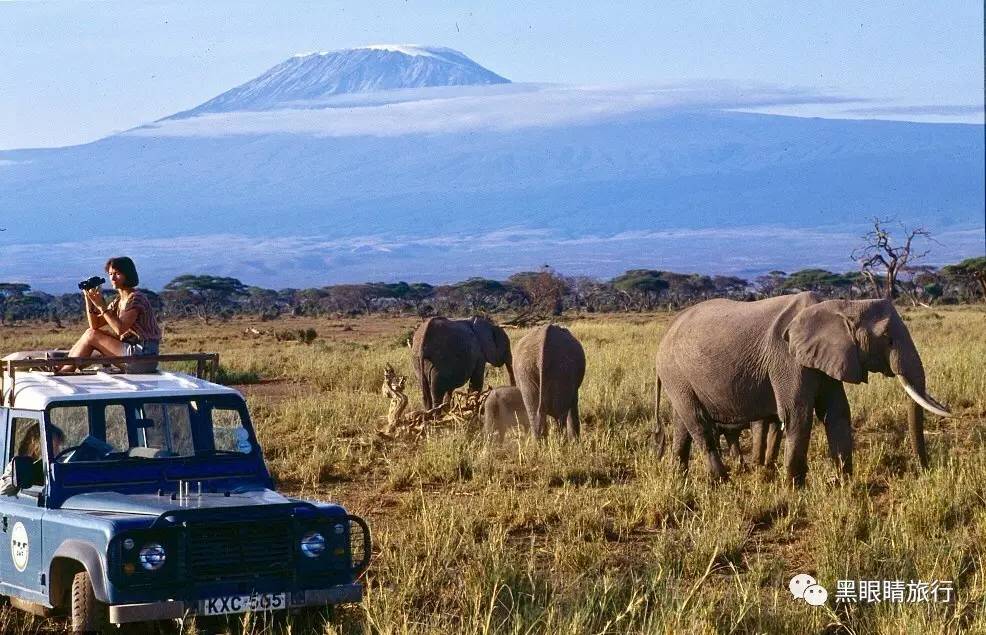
x,y
883,256
545,289
10,291
970,269
820,281
641,288
204,295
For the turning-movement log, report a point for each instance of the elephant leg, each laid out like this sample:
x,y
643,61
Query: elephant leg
x,y
704,434
838,426
477,377
773,445
426,393
539,426
573,423
681,442
798,421
759,431
535,415
732,439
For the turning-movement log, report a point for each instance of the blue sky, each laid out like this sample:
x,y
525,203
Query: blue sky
x,y
74,72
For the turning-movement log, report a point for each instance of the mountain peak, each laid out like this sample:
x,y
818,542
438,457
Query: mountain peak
x,y
312,76
411,50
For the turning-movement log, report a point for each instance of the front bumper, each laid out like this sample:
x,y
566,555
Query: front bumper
x,y
172,609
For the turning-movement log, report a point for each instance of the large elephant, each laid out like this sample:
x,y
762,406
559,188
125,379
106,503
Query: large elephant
x,y
448,353
550,366
723,362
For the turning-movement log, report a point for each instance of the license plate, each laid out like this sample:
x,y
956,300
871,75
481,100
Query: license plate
x,y
242,603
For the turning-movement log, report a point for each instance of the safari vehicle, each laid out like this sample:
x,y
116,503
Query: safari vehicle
x,y
155,503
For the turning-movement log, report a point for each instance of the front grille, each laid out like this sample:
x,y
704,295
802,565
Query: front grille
x,y
240,550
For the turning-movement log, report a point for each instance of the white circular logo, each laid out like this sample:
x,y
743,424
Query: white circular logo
x,y
20,548
816,595
799,583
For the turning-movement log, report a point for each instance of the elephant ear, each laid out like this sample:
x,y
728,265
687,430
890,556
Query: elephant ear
x,y
821,337
492,340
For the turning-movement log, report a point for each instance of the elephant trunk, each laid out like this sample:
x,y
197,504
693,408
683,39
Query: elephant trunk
x,y
905,363
510,370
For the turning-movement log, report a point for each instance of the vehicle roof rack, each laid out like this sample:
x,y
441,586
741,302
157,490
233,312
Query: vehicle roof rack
x,y
206,366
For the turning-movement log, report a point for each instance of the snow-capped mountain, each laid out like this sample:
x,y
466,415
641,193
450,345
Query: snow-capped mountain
x,y
315,76
416,163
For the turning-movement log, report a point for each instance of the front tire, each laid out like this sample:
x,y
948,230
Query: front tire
x,y
89,615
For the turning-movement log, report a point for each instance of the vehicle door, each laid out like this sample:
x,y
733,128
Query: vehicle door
x,y
21,555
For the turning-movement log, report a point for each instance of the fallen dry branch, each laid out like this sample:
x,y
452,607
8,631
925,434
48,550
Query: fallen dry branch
x,y
462,411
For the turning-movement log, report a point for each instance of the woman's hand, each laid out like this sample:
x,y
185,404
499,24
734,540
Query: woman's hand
x,y
95,296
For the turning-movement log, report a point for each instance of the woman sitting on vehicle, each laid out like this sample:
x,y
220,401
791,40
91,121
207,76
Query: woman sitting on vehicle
x,y
132,328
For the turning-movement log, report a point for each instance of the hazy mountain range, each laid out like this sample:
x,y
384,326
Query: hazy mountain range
x,y
416,163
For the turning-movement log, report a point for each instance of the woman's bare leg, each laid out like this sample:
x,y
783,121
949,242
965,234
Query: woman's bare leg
x,y
92,341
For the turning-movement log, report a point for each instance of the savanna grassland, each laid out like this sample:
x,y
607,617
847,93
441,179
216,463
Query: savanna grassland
x,y
601,535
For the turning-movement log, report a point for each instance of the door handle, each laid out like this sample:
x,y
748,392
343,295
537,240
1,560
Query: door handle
x,y
4,524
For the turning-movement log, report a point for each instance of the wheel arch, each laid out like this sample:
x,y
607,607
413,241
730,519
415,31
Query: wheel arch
x,y
71,557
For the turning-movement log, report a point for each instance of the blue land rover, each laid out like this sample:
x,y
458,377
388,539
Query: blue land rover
x,y
138,497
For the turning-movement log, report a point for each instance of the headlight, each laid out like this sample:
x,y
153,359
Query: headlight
x,y
312,544
151,556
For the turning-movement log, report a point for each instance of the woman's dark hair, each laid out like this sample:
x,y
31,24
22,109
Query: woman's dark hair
x,y
126,266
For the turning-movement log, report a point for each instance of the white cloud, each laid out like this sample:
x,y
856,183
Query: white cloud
x,y
498,107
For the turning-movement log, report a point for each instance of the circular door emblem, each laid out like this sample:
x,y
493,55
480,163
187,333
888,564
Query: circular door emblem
x,y
20,548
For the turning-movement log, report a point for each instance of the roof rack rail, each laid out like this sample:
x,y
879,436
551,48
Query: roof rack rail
x,y
205,363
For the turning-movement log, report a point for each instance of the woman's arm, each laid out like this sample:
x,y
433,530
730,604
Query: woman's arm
x,y
122,323
92,313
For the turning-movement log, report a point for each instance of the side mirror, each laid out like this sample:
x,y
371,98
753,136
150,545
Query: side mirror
x,y
23,471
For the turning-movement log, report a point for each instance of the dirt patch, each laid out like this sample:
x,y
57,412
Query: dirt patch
x,y
274,390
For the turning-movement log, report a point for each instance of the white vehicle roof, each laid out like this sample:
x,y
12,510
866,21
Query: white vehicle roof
x,y
35,389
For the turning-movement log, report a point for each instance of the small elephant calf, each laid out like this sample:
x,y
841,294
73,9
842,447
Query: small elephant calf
x,y
503,410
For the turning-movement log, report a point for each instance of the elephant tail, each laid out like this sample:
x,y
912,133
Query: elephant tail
x,y
660,436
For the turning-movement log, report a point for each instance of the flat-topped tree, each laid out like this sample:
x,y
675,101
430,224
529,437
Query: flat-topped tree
x,y
204,295
970,269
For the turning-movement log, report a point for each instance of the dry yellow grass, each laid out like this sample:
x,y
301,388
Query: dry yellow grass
x,y
601,536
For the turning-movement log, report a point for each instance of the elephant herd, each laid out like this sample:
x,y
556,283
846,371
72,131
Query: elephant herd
x,y
771,365
545,374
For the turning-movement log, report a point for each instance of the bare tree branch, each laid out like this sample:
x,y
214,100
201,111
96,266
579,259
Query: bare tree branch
x,y
881,257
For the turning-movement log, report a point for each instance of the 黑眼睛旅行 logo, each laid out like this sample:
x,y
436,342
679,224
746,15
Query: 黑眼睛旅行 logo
x,y
805,587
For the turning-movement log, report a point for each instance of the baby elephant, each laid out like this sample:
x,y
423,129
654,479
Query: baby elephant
x,y
549,365
503,410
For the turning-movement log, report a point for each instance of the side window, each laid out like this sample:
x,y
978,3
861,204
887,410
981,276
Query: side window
x,y
116,427
228,431
170,428
73,421
27,437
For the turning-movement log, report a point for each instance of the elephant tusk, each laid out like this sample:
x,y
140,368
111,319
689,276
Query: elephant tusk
x,y
924,401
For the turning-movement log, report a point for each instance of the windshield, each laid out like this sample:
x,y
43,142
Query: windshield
x,y
149,429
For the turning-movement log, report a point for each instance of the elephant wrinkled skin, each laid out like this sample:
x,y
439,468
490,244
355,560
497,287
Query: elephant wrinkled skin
x,y
448,353
723,362
550,365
